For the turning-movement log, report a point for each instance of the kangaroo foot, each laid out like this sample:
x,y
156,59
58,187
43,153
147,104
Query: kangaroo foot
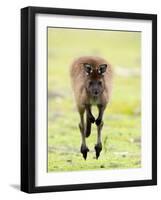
x,y
98,149
84,150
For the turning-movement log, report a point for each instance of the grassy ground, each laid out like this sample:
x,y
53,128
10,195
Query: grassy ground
x,y
122,120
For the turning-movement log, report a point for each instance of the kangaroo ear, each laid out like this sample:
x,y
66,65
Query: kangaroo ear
x,y
88,68
102,69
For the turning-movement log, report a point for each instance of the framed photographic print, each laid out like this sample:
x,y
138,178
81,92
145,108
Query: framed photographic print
x,y
88,99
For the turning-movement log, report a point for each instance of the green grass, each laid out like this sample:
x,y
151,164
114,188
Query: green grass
x,y
122,119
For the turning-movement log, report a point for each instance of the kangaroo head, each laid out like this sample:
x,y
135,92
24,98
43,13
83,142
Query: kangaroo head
x,y
94,79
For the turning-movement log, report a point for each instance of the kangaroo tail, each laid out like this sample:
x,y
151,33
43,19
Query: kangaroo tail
x,y
88,126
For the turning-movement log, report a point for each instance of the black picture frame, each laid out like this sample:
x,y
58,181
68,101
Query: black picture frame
x,y
28,98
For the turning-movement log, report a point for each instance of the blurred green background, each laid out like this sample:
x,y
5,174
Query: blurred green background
x,y
121,134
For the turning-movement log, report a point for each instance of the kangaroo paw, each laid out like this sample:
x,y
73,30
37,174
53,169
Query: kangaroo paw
x,y
84,150
98,121
92,119
98,149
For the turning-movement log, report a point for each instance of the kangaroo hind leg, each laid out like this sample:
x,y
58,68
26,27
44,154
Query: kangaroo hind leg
x,y
84,149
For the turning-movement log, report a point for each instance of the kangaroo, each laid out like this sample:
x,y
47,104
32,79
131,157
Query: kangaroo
x,y
91,79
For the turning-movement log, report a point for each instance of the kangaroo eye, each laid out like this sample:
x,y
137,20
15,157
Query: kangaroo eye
x,y
90,83
99,83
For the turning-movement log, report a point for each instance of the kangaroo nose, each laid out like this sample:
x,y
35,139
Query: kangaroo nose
x,y
96,92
